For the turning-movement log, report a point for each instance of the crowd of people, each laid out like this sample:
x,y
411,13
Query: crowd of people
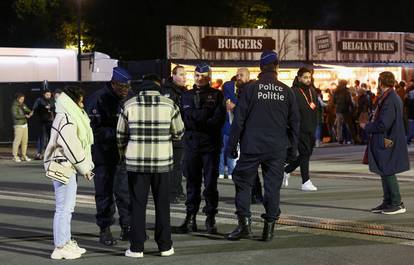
x,y
130,141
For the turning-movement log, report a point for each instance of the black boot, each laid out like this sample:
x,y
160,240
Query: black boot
x,y
189,224
268,228
243,230
211,224
124,236
106,238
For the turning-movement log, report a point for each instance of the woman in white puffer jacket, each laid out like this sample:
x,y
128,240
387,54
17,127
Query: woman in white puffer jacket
x,y
70,145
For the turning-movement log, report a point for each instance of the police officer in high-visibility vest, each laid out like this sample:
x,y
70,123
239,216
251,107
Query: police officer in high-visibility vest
x,y
266,124
203,113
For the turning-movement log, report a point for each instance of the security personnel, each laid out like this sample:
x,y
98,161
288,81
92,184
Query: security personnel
x,y
174,89
110,178
266,124
203,114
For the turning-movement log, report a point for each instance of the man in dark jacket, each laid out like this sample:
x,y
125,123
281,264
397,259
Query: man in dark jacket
x,y
203,114
266,119
173,89
103,108
344,108
43,108
387,149
306,99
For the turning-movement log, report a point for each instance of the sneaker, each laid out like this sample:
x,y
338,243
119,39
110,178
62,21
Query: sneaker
x,y
229,177
394,209
131,254
76,247
66,252
379,208
308,186
38,157
286,177
26,159
167,253
17,159
221,176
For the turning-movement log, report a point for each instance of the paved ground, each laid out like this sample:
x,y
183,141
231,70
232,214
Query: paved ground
x,y
346,192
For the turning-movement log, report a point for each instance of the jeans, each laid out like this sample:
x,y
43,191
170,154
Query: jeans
x,y
391,190
231,163
410,135
65,200
318,132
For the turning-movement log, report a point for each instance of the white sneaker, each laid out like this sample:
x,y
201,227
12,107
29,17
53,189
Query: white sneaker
x,y
76,247
26,159
229,177
129,253
286,177
308,186
167,253
66,252
221,176
17,159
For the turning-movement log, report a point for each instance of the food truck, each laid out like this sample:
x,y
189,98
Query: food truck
x,y
349,55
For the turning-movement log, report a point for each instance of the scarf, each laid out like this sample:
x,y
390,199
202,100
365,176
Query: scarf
x,y
379,103
64,104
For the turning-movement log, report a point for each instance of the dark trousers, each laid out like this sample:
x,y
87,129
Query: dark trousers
x,y
198,166
244,176
176,174
43,137
257,187
111,181
391,190
305,149
139,184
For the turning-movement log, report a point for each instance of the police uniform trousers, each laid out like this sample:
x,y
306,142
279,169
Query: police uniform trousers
x,y
139,185
199,166
305,149
176,174
244,176
111,187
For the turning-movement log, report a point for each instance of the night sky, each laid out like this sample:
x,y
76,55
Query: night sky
x,y
135,30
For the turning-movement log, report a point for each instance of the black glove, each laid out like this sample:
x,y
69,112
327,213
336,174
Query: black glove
x,y
197,101
232,153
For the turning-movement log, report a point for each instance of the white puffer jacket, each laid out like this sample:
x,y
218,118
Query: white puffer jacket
x,y
65,147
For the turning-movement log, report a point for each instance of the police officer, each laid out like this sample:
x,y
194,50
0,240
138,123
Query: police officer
x,y
203,114
266,124
110,178
173,89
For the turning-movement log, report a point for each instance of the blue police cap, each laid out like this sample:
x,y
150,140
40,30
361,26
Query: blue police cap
x,y
120,75
268,57
203,68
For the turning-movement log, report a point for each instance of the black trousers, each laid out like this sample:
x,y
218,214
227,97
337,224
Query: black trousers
x,y
198,166
111,188
305,149
139,184
176,174
257,187
244,176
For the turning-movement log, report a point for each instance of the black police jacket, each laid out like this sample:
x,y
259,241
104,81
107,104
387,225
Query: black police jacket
x,y
203,114
266,118
103,108
174,92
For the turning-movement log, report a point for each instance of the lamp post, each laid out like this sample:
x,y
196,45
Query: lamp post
x,y
79,41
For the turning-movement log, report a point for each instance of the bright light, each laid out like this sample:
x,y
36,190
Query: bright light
x,y
260,27
346,73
